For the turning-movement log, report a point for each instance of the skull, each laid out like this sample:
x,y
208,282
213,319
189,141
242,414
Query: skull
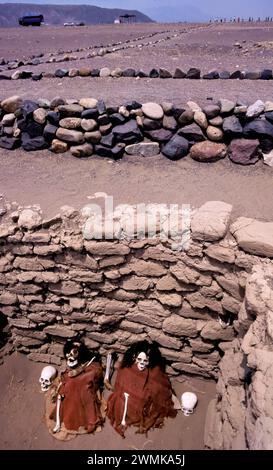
x,y
142,361
72,358
48,374
188,402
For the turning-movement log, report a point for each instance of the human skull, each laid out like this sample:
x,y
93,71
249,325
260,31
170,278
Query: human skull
x,y
48,374
188,402
72,358
142,361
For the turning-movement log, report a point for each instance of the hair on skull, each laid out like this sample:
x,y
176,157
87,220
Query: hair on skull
x,y
80,352
150,349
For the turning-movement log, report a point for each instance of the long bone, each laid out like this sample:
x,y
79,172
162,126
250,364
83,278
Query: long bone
x,y
108,367
126,395
57,426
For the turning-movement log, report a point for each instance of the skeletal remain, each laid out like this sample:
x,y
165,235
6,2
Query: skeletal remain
x,y
126,396
72,358
48,374
142,361
188,402
57,426
107,372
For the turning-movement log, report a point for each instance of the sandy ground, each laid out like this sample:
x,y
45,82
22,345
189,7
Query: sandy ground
x,y
55,180
22,409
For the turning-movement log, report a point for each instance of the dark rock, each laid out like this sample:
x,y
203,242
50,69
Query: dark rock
x,y
108,140
129,72
101,107
154,73
269,116
243,151
25,74
117,119
103,120
151,125
186,117
211,110
91,113
37,76
193,133
60,73
50,132
259,128
4,77
132,105
193,73
114,152
178,73
128,132
95,73
232,126
163,73
266,145
112,109
213,75
176,148
28,107
141,74
53,117
37,143
177,111
159,135
266,74
9,143
236,75
32,128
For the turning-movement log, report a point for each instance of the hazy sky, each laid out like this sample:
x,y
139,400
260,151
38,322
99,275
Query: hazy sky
x,y
177,10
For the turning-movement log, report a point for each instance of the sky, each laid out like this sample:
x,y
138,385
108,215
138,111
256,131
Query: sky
x,y
177,10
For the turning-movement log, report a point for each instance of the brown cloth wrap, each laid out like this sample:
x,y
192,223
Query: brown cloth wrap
x,y
80,405
149,402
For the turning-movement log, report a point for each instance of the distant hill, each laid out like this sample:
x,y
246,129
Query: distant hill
x,y
60,14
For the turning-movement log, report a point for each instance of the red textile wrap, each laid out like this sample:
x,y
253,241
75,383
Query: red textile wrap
x,y
149,402
80,405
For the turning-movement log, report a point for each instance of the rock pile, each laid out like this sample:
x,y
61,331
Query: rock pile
x,y
88,126
193,74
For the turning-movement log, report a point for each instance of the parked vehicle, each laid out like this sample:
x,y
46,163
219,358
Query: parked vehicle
x,y
31,19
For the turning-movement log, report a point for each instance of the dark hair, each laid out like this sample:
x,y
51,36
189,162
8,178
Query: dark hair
x,y
85,354
150,349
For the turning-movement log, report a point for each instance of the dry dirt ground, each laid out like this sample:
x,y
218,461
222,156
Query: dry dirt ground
x,y
55,180
52,181
23,427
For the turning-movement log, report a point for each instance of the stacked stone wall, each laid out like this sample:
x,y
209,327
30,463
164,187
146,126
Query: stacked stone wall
x,y
88,127
58,283
241,416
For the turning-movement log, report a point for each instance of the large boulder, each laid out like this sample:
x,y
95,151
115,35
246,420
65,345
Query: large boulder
x,y
211,221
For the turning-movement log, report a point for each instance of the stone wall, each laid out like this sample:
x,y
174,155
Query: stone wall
x,y
86,127
241,417
57,283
